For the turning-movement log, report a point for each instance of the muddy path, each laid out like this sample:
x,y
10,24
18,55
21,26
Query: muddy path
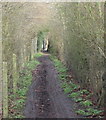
x,y
45,97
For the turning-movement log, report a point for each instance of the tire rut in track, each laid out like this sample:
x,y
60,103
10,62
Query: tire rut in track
x,y
44,104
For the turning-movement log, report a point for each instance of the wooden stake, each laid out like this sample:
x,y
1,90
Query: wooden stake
x,y
15,74
5,91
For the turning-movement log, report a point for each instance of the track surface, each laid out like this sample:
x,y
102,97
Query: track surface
x,y
45,97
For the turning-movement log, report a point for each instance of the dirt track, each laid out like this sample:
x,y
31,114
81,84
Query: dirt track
x,y
45,97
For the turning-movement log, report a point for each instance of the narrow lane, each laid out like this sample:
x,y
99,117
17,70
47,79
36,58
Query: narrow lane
x,y
45,97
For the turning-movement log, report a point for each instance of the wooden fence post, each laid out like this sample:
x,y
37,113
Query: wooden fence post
x,y
35,45
25,56
1,79
32,49
5,91
22,59
15,74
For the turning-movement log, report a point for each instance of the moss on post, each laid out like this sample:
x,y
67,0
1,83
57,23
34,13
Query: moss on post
x,y
5,91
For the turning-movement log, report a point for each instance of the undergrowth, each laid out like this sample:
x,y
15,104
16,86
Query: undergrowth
x,y
17,101
73,91
37,55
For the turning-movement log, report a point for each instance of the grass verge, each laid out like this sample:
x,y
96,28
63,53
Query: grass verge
x,y
17,101
73,91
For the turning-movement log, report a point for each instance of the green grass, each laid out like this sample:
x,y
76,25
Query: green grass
x,y
58,64
94,111
89,112
60,68
74,95
83,112
84,92
86,103
17,102
67,90
64,85
74,86
79,99
37,55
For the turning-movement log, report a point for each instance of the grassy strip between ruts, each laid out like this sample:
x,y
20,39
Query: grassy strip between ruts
x,y
17,101
80,96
